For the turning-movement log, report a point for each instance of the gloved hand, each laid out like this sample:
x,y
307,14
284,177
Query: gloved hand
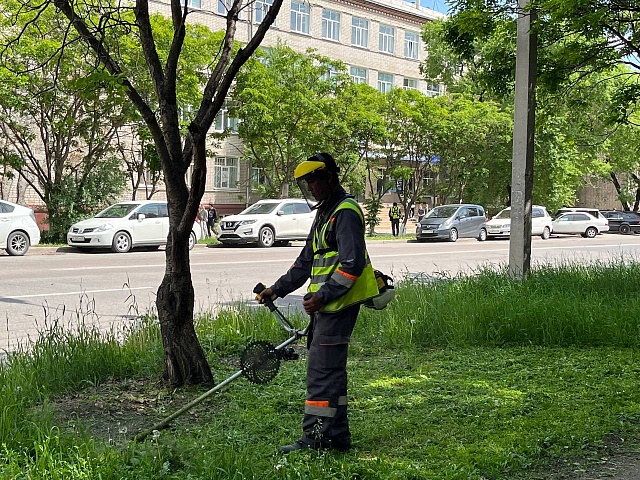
x,y
312,305
266,293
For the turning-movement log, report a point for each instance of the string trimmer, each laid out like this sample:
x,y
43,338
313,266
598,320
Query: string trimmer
x,y
259,362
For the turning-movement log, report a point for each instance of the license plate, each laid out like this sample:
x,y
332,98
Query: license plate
x,y
428,231
495,231
77,239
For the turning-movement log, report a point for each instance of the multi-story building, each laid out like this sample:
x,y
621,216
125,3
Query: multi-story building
x,y
378,40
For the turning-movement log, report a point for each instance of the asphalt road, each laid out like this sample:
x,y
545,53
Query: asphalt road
x,y
61,285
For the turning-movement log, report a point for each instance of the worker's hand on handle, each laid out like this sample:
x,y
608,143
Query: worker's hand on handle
x,y
263,293
311,303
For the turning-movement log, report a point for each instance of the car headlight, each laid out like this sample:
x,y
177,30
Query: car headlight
x,y
444,224
104,227
247,222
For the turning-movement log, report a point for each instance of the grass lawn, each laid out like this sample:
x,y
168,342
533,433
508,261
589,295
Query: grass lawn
x,y
492,389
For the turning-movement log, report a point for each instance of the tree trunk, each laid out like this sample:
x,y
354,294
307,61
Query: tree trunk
x,y
184,358
616,184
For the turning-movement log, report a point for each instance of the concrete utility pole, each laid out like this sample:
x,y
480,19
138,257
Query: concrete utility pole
x,y
523,147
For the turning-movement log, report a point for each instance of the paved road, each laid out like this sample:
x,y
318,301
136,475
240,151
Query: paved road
x,y
62,285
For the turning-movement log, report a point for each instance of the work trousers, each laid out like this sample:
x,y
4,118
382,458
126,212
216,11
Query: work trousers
x,y
325,423
395,226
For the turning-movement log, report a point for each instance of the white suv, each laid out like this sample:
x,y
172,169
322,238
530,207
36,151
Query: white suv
x,y
268,223
500,225
18,228
126,225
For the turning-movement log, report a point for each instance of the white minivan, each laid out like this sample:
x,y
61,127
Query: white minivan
x,y
500,225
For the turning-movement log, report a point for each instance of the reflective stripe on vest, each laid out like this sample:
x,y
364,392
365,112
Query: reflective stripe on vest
x,y
326,265
395,212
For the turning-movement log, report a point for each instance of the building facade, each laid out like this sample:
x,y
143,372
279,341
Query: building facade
x,y
379,41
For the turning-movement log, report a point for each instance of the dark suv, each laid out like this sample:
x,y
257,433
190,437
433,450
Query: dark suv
x,y
623,222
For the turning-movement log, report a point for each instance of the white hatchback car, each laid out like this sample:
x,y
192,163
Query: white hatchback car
x,y
126,225
268,223
581,223
18,228
500,225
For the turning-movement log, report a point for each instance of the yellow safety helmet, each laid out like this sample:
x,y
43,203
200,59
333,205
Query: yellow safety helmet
x,y
315,164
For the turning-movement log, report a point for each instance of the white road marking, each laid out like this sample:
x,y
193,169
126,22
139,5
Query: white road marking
x,y
80,292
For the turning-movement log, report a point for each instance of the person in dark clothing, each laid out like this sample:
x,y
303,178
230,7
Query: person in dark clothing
x,y
212,217
394,216
335,260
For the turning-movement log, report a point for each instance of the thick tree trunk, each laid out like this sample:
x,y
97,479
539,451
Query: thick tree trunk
x,y
184,358
616,184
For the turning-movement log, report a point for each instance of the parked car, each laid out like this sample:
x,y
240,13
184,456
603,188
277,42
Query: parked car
x,y
623,222
500,225
126,225
581,223
591,211
18,228
268,223
451,222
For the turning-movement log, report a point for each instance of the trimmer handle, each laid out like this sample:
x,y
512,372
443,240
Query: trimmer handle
x,y
267,301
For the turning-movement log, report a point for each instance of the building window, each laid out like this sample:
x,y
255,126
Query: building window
x,y
258,177
224,122
411,45
359,32
358,75
385,82
226,172
387,35
225,5
331,25
329,73
192,3
433,90
262,8
410,84
300,17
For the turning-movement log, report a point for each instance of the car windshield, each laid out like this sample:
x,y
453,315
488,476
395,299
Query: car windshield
x,y
119,210
442,212
503,214
260,208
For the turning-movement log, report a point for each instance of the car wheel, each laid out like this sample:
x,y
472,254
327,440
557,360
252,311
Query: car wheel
x,y
546,233
121,242
591,232
453,235
17,244
266,237
625,229
192,240
482,236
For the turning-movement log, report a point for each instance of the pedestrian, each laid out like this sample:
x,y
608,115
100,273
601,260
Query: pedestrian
x,y
202,221
421,212
394,216
412,210
336,261
212,217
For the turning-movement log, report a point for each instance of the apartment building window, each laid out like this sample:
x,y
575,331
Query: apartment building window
x,y
387,36
224,122
359,32
225,5
300,17
433,89
385,82
358,75
411,45
226,172
192,3
410,84
261,9
331,25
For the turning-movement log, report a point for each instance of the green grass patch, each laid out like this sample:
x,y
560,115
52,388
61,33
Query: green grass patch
x,y
481,377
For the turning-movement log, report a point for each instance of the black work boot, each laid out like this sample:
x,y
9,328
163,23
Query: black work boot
x,y
297,445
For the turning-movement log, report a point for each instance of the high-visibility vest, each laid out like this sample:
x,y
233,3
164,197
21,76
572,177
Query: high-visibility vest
x,y
395,212
326,264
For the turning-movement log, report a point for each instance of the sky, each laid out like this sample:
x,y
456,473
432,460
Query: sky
x,y
438,5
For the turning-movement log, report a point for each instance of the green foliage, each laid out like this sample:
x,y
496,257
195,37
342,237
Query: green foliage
x,y
452,382
371,216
